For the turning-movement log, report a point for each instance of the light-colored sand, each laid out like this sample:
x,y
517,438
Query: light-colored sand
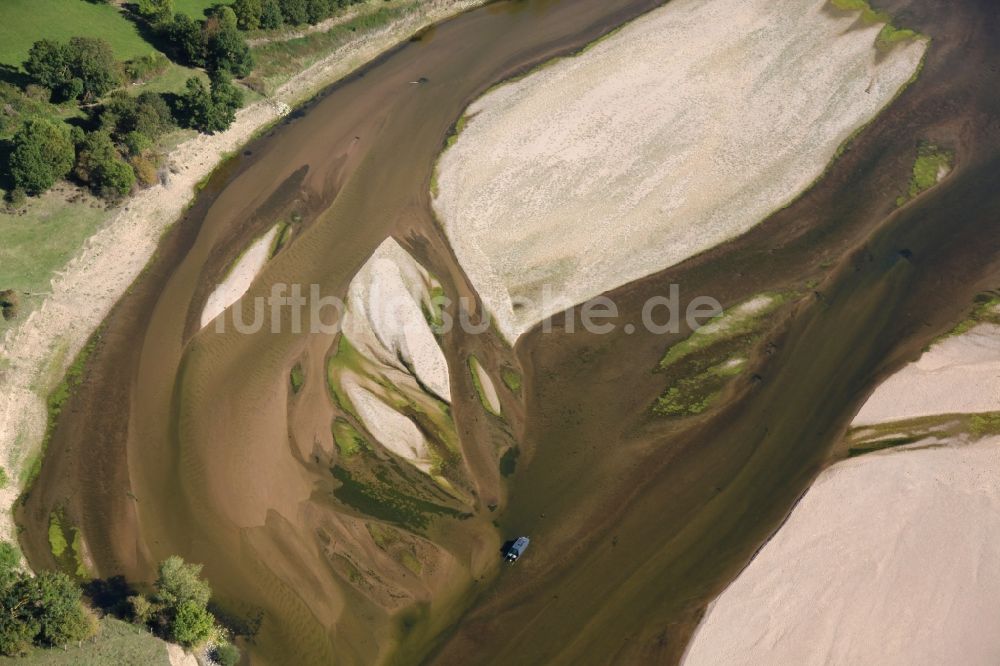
x,y
684,129
239,278
385,317
86,289
888,559
392,429
179,657
958,375
486,385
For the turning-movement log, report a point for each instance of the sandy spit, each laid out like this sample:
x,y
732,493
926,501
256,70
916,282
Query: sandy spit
x,y
653,145
391,428
486,384
958,375
888,559
239,278
89,285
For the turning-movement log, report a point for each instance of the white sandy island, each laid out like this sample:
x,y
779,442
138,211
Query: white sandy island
x,y
487,389
385,318
684,129
86,289
889,559
239,278
958,375
391,428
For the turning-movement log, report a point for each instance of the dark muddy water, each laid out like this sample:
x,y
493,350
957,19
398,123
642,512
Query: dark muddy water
x,y
186,442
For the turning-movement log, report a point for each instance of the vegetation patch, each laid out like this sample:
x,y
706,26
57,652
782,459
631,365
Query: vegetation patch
x,y
297,377
348,440
376,493
985,310
982,425
890,34
740,321
932,163
880,445
511,379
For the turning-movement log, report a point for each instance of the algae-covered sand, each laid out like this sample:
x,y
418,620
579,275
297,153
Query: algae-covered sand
x,y
656,143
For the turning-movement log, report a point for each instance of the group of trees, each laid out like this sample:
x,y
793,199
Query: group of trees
x,y
110,159
215,43
270,14
85,68
42,611
118,154
178,609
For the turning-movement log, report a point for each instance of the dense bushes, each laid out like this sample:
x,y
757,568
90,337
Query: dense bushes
x,y
43,610
43,153
209,109
85,68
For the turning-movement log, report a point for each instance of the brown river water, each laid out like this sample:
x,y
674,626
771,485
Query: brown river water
x,y
188,442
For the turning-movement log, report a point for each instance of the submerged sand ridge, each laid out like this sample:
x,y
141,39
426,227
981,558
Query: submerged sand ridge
x,y
658,142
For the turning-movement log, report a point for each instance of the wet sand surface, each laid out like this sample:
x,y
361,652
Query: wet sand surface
x,y
189,442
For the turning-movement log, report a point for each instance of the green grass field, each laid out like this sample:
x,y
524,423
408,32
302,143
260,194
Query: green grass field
x,y
23,22
117,643
196,8
33,246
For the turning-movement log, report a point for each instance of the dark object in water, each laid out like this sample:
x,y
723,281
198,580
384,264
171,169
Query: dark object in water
x,y
516,549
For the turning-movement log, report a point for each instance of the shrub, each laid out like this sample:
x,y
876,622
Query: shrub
x,y
156,11
192,624
16,198
137,143
43,153
226,654
99,165
145,171
145,67
141,609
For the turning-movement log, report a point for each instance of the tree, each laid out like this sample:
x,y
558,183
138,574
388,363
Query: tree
x,y
94,63
248,13
294,11
54,601
270,15
156,11
192,624
207,110
184,34
227,50
179,583
48,64
317,10
43,153
44,610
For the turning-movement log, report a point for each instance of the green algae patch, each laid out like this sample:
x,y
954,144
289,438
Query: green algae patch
x,y
511,379
349,441
297,378
739,321
379,497
931,165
